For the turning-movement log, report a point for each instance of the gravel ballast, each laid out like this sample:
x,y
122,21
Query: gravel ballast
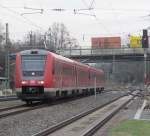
x,y
31,122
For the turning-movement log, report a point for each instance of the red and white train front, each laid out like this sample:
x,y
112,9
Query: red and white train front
x,y
30,74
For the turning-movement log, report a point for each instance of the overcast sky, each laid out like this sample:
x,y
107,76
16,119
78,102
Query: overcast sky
x,y
113,17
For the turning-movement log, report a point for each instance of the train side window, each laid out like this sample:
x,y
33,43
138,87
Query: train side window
x,y
57,68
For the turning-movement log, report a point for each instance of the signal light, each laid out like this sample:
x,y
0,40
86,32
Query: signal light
x,y
144,32
145,42
145,39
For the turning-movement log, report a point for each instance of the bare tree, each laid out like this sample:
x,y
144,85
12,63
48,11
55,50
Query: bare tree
x,y
59,37
56,37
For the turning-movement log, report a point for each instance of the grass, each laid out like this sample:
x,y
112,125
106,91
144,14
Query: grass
x,y
131,128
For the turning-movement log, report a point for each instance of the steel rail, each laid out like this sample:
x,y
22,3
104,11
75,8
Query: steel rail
x,y
8,98
92,130
35,106
12,107
73,119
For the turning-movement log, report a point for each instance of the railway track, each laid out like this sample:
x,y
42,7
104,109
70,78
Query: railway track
x,y
6,112
12,107
8,98
14,110
85,124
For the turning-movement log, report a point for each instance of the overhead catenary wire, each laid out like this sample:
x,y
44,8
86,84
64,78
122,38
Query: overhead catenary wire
x,y
81,13
57,9
94,15
97,9
89,9
40,11
24,19
25,7
99,21
31,13
92,2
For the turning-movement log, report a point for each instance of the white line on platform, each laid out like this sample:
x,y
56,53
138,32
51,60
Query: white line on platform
x,y
139,111
145,119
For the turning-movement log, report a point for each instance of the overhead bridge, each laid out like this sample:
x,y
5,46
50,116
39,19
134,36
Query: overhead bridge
x,y
89,55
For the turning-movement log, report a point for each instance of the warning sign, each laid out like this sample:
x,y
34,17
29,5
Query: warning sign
x,y
135,41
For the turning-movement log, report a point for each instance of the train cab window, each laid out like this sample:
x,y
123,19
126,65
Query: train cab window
x,y
33,65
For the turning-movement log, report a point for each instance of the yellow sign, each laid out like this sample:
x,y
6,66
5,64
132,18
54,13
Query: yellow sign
x,y
135,41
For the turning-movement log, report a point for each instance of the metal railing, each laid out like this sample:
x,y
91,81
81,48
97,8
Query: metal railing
x,y
97,51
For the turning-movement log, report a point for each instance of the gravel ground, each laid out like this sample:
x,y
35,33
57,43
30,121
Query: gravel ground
x,y
31,122
125,114
6,104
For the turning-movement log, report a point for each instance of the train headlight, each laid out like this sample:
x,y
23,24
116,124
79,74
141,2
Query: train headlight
x,y
24,82
41,82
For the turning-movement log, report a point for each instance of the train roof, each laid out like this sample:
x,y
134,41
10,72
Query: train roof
x,y
44,52
81,64
34,52
62,58
96,69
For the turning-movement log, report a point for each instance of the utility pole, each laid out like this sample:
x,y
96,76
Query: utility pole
x,y
51,46
45,39
34,40
145,46
31,39
113,67
7,57
50,38
145,65
95,87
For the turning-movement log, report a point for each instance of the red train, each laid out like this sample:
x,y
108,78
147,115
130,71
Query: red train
x,y
42,75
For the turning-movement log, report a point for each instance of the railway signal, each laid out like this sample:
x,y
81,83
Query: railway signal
x,y
145,39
